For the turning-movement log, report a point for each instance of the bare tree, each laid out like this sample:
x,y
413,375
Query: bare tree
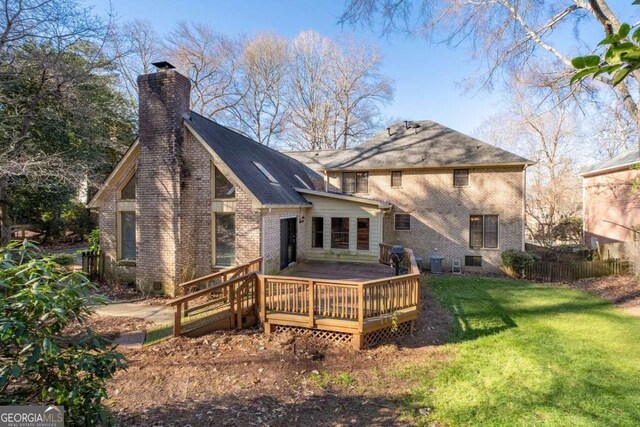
x,y
136,45
336,90
261,113
505,35
610,128
543,131
210,60
310,102
359,89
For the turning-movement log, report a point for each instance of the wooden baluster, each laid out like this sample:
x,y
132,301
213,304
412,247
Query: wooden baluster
x,y
232,316
311,308
177,325
239,311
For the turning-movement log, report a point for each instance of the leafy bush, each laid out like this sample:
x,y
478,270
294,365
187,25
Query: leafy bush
x,y
63,259
77,218
517,261
93,239
41,363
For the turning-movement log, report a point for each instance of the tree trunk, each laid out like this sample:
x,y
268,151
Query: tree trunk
x,y
5,223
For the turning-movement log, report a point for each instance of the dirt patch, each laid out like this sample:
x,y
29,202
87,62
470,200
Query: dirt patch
x,y
109,326
247,378
118,291
623,291
121,292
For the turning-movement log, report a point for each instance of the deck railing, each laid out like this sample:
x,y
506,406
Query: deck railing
x,y
233,290
357,308
210,281
341,305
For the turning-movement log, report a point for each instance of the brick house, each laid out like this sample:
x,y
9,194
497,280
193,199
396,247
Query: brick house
x,y
191,196
611,200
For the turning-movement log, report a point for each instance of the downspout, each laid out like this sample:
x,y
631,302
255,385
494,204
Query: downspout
x,y
524,206
584,213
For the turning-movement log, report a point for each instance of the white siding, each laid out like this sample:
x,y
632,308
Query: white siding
x,y
328,208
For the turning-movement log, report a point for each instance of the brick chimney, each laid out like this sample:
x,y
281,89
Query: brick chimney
x,y
163,99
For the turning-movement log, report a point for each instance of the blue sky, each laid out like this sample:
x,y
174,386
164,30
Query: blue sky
x,y
427,76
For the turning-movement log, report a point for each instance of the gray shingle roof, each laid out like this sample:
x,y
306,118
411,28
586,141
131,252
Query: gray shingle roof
x,y
430,145
239,152
625,158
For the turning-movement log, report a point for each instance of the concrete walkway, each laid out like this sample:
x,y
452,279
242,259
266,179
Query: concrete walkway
x,y
154,313
140,310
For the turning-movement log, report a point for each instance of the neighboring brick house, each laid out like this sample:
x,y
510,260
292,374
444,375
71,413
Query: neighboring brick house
x,y
191,196
611,200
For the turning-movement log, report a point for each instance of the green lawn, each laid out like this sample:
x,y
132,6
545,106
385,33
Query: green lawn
x,y
528,354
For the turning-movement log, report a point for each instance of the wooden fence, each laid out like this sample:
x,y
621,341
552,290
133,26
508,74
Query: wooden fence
x,y
570,271
93,264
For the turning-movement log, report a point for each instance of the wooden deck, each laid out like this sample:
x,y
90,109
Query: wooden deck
x,y
336,270
362,311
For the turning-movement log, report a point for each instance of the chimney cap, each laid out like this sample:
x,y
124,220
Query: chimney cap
x,y
163,65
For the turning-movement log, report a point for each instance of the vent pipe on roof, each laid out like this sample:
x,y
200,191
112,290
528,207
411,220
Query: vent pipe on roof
x,y
389,131
406,124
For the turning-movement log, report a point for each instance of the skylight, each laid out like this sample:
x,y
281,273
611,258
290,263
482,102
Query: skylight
x,y
303,183
266,173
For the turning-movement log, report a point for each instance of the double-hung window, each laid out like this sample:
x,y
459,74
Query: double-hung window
x,y
483,231
355,182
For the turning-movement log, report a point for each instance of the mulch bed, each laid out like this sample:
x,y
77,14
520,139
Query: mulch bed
x,y
247,378
624,291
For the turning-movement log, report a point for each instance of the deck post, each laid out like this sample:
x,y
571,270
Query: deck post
x,y
360,307
311,304
267,328
356,341
262,292
177,327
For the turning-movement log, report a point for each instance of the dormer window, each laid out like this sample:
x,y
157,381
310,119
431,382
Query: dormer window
x,y
266,173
